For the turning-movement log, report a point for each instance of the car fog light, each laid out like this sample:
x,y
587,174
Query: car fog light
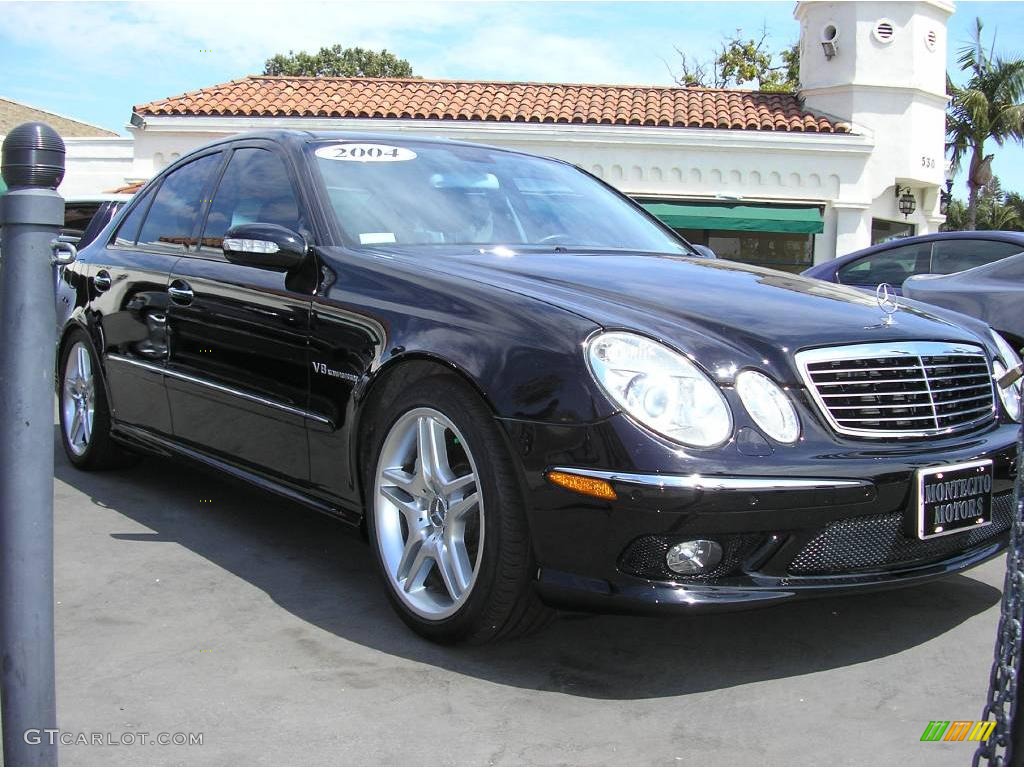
x,y
697,556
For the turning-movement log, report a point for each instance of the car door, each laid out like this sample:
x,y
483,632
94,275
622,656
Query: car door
x,y
892,265
237,375
127,285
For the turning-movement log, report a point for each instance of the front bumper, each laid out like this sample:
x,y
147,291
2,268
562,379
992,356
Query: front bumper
x,y
828,519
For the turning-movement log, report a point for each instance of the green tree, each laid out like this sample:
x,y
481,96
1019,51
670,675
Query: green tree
x,y
988,106
995,210
742,60
339,62
1015,202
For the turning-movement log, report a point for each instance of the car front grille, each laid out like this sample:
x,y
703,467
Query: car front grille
x,y
877,542
900,389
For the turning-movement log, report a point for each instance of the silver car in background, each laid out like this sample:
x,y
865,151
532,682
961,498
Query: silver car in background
x,y
992,292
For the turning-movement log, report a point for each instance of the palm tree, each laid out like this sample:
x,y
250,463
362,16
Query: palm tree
x,y
989,106
1015,202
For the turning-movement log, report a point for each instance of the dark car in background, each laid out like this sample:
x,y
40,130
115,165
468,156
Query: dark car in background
x,y
941,253
525,390
79,212
992,292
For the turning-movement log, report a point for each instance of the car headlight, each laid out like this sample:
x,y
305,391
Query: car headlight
x,y
769,407
660,388
1008,360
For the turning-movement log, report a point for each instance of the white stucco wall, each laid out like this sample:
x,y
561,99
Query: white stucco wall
x,y
94,165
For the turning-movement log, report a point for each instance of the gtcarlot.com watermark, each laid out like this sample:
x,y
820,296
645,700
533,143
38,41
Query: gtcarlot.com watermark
x,y
54,737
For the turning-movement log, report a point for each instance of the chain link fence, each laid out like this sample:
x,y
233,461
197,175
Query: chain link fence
x,y
1002,746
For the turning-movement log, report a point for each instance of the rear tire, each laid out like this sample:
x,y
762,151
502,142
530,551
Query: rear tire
x,y
84,410
449,532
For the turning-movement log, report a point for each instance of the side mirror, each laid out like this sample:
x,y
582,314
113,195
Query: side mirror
x,y
265,245
704,251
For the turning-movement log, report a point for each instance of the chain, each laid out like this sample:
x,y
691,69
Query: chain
x,y
1001,704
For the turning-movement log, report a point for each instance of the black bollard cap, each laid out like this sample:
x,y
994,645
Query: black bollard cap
x,y
33,156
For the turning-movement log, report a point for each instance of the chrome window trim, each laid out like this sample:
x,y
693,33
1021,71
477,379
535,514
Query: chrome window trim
x,y
219,387
715,482
893,349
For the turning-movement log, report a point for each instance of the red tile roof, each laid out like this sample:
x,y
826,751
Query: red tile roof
x,y
272,96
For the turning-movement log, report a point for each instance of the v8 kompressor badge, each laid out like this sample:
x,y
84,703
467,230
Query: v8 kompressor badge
x,y
324,370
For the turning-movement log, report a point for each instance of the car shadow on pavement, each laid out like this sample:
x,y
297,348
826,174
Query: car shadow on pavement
x,y
312,567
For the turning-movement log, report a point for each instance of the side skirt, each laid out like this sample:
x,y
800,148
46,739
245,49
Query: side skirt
x,y
135,437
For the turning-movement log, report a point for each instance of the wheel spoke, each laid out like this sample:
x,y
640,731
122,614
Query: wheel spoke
x,y
457,510
400,478
433,455
76,426
84,366
86,425
455,577
458,483
414,516
421,559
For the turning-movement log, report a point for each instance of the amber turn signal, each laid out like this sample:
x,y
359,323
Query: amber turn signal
x,y
588,486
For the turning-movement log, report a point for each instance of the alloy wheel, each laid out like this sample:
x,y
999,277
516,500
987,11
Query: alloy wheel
x,y
428,513
78,399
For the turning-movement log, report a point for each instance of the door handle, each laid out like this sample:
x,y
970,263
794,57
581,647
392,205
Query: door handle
x,y
180,293
102,281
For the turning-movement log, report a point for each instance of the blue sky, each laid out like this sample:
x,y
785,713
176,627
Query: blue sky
x,y
93,61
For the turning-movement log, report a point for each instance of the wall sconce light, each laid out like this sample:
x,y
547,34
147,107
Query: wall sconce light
x,y
945,198
830,41
905,201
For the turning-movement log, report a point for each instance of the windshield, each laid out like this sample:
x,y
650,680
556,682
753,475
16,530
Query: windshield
x,y
432,194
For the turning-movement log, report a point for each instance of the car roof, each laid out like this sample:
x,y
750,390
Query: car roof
x,y
980,234
998,235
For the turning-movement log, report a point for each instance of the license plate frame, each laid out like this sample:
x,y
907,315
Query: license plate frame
x,y
930,502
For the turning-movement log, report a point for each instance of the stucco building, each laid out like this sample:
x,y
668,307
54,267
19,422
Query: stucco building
x,y
777,179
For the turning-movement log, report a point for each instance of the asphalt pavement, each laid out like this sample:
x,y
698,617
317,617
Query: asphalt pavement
x,y
190,604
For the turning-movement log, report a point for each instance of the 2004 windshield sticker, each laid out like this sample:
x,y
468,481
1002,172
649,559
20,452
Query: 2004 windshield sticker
x,y
365,153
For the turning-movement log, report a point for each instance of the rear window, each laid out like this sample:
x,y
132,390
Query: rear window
x,y
128,230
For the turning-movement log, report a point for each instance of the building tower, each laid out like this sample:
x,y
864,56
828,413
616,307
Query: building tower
x,y
882,67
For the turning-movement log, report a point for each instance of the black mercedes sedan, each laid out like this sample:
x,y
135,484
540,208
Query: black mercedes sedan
x,y
527,392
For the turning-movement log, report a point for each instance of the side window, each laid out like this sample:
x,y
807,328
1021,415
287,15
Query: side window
x,y
254,188
129,228
958,255
172,218
891,266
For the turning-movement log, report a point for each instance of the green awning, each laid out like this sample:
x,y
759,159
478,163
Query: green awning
x,y
748,217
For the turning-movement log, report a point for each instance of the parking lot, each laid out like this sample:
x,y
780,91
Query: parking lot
x,y
188,604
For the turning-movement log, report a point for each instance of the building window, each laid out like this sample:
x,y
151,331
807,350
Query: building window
x,y
776,250
778,236
883,231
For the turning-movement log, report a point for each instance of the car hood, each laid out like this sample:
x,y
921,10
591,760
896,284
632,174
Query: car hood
x,y
726,314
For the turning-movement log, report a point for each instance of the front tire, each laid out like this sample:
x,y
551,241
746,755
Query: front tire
x,y
446,517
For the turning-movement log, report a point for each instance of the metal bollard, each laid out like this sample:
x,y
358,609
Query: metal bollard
x,y
31,213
